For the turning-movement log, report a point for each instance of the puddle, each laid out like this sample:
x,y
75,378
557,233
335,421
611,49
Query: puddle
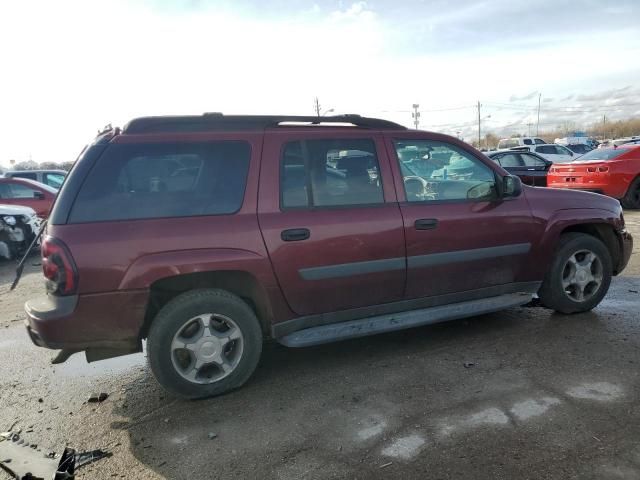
x,y
77,365
405,447
490,416
600,391
533,408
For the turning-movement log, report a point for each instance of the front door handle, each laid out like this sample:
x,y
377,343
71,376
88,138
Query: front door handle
x,y
426,224
295,234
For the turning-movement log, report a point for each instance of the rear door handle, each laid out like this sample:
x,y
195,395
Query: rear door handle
x,y
426,224
295,234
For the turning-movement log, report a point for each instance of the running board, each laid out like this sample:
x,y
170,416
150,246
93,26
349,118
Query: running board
x,y
398,321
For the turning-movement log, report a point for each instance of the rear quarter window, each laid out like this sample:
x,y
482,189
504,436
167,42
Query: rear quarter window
x,y
138,181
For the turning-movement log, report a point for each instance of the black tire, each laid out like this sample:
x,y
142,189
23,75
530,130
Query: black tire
x,y
552,293
172,318
632,198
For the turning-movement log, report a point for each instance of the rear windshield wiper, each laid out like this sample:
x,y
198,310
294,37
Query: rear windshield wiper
x,y
26,254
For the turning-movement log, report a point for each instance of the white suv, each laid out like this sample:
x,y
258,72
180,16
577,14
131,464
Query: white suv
x,y
506,143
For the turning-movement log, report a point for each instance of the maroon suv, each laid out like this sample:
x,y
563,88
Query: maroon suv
x,y
206,234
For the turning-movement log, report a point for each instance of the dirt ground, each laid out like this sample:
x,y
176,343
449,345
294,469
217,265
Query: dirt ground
x,y
523,393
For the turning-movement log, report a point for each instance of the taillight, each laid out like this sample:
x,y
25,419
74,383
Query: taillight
x,y
58,267
603,169
591,169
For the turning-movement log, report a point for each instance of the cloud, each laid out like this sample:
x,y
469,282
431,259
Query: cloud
x,y
619,93
514,98
356,11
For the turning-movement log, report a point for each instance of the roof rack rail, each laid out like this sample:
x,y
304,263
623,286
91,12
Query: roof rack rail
x,y
218,121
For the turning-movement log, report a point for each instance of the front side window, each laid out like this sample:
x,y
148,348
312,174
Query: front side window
x,y
434,171
539,141
330,173
527,141
54,180
138,181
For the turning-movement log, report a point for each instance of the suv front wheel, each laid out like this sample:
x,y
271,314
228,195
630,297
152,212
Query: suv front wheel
x,y
204,343
579,276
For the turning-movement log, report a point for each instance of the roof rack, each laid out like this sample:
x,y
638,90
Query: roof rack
x,y
218,121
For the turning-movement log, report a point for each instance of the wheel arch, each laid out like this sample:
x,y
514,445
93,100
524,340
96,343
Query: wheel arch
x,y
241,283
603,232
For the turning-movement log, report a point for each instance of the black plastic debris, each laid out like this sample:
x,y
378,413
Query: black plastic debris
x,y
469,364
98,397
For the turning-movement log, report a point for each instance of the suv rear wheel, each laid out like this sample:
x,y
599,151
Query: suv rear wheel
x,y
204,343
579,276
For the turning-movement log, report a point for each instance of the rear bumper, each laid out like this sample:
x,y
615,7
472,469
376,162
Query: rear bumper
x,y
585,187
83,322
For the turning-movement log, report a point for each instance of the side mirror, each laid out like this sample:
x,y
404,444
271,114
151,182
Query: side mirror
x,y
38,195
511,186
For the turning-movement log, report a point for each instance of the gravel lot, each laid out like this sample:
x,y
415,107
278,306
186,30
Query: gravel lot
x,y
518,394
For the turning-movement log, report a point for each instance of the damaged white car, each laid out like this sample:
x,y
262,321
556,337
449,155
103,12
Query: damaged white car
x,y
18,227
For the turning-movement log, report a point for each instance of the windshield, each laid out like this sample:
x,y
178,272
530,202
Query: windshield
x,y
601,154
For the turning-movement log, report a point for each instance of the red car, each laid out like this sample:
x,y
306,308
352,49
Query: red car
x,y
206,234
610,171
28,193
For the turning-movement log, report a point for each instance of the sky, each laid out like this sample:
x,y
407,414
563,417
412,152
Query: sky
x,y
70,67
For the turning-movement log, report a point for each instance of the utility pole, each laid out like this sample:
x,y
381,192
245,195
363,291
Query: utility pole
x,y
538,122
317,106
604,126
529,127
416,115
479,136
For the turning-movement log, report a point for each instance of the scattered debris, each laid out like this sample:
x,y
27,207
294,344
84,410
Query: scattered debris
x,y
212,435
40,400
469,364
25,461
633,291
98,398
385,465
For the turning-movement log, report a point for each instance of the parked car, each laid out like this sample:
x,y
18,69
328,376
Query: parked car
x,y
610,171
505,143
266,240
18,228
29,193
53,178
553,153
531,168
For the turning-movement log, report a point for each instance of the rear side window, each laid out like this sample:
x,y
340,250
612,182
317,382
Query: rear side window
x,y
531,161
329,173
137,181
